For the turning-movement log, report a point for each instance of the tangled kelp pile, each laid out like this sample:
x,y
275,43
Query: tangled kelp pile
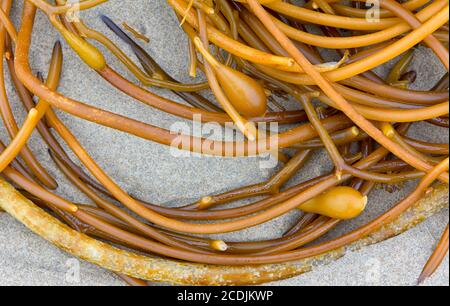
x,y
259,60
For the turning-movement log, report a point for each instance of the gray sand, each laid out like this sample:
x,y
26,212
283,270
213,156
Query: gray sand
x,y
148,170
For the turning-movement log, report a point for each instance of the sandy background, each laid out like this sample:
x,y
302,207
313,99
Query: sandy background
x,y
148,171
